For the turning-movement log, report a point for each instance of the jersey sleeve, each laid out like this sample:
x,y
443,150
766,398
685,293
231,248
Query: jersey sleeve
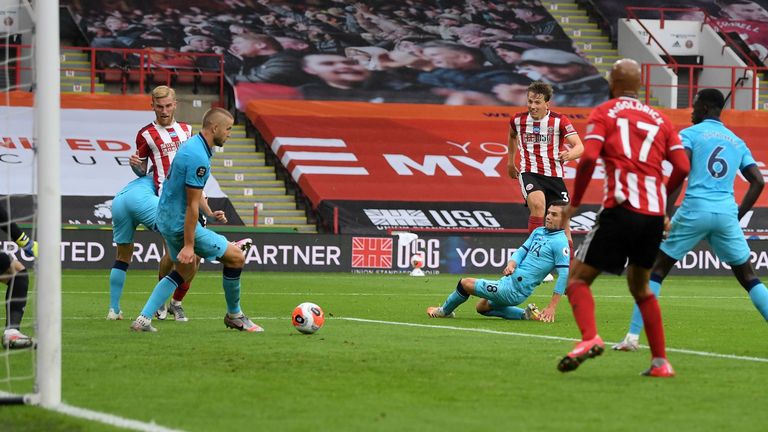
x,y
562,256
566,127
746,159
197,172
596,127
512,128
686,138
674,141
141,145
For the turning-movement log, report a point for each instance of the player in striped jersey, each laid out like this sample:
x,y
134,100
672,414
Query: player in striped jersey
x,y
633,140
158,142
160,139
709,210
545,140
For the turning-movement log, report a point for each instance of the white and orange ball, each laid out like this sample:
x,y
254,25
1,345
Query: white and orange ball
x,y
417,260
308,318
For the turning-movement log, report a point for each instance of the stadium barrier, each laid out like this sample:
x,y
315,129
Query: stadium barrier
x,y
443,253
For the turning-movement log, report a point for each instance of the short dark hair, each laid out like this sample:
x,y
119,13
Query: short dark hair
x,y
558,203
542,88
711,100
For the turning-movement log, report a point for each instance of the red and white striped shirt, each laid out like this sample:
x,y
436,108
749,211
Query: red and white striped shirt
x,y
160,143
541,141
633,140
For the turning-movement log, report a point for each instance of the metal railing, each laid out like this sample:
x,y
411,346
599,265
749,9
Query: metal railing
x,y
692,87
123,66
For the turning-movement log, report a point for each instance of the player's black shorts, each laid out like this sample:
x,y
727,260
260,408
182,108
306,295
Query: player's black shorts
x,y
5,262
621,236
553,187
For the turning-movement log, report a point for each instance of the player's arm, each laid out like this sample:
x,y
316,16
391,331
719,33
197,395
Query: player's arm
x,y
574,147
139,159
672,195
187,253
756,183
562,257
518,256
138,165
219,215
512,152
584,171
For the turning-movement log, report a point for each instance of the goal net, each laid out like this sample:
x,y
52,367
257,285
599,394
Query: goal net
x,y
30,208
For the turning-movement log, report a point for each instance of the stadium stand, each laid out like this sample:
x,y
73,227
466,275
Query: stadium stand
x,y
451,52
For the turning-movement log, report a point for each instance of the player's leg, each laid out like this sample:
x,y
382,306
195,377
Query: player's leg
x,y
645,244
175,307
492,309
464,288
661,268
117,278
123,229
210,245
164,267
15,276
730,246
535,200
605,248
166,286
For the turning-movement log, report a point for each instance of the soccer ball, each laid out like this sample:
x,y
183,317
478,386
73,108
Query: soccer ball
x,y
308,318
417,260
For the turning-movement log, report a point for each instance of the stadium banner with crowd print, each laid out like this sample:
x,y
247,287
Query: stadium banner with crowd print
x,y
96,145
356,156
431,51
455,254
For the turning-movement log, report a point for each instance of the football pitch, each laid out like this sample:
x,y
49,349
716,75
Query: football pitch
x,y
380,363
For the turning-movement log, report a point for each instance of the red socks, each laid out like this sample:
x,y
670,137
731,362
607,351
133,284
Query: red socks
x,y
534,222
583,305
181,291
654,329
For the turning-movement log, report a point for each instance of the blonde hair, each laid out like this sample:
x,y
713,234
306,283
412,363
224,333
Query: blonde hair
x,y
215,116
162,91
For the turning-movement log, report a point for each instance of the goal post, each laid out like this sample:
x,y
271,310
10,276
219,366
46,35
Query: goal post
x,y
47,130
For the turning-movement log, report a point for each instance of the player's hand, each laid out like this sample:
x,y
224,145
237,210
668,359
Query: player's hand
x,y
186,255
547,315
509,269
566,156
135,160
667,226
220,216
513,171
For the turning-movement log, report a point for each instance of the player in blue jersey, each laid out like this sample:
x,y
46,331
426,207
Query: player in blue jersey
x,y
545,250
186,238
709,210
135,204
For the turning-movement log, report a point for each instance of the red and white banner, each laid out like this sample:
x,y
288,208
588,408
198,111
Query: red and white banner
x,y
95,148
339,151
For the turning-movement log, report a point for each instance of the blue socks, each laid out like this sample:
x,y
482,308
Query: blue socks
x,y
232,289
759,295
636,325
455,299
116,283
506,312
160,294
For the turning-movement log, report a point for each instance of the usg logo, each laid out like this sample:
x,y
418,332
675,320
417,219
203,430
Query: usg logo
x,y
449,219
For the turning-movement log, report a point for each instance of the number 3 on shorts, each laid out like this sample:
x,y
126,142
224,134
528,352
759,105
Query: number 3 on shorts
x,y
565,196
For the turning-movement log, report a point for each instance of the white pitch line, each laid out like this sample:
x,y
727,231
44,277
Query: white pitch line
x,y
558,338
97,416
111,419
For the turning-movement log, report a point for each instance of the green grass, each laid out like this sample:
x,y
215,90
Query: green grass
x,y
366,376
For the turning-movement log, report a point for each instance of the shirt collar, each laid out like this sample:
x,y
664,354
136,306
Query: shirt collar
x,y
205,144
